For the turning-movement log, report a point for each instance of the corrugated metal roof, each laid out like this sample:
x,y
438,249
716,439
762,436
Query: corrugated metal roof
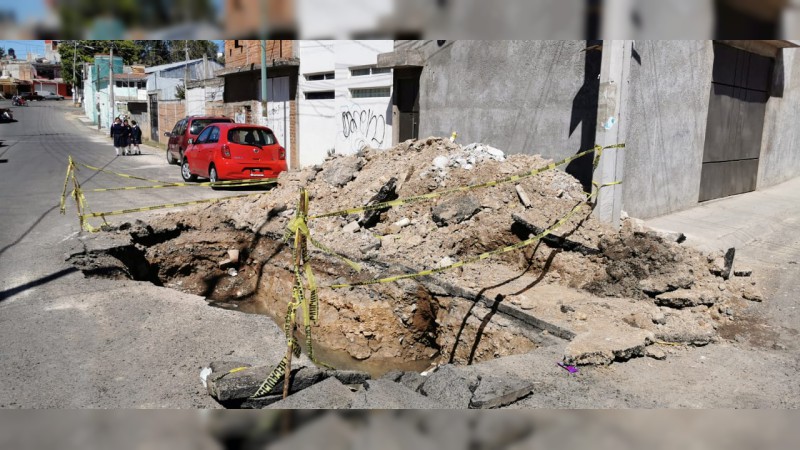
x,y
172,65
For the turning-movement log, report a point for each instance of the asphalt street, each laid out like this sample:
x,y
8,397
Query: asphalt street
x,y
72,342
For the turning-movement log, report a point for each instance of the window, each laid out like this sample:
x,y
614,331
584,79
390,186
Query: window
x,y
178,127
371,70
203,136
320,95
370,92
199,124
321,76
214,137
251,136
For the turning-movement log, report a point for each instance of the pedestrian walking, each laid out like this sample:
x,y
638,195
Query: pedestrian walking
x,y
126,134
117,134
136,137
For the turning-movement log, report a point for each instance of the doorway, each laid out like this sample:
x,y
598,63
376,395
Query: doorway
x,y
737,105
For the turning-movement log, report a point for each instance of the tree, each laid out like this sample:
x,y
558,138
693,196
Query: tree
x,y
83,51
180,92
2,52
196,49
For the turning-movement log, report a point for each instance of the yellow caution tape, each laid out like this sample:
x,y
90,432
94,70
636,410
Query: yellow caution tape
x,y
170,185
169,205
299,224
272,380
669,343
480,257
437,194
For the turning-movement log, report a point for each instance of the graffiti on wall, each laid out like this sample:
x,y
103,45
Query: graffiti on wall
x,y
363,127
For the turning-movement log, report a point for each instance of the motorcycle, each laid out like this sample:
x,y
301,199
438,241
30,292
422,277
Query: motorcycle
x,y
19,101
6,115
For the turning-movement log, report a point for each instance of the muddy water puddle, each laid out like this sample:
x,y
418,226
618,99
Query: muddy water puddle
x,y
375,366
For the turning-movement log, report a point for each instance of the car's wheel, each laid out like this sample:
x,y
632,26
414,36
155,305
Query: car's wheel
x,y
171,159
213,176
185,173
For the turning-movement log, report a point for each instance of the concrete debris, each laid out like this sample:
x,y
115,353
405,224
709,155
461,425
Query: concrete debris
x,y
752,294
682,298
328,394
606,344
233,258
455,210
728,267
386,193
523,197
451,387
385,394
655,352
742,272
552,239
348,376
340,171
225,386
494,392
351,227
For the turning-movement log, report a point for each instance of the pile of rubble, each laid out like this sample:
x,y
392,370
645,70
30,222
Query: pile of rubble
x,y
611,293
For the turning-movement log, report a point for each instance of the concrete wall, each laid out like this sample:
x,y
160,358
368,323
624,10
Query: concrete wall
x,y
345,123
669,90
519,96
169,113
780,156
317,117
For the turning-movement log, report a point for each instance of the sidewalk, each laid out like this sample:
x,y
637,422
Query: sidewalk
x,y
763,225
147,145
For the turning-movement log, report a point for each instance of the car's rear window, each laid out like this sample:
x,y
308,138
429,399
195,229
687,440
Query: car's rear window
x,y
251,136
199,124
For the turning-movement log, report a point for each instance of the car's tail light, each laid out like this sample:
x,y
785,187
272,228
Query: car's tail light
x,y
226,151
281,153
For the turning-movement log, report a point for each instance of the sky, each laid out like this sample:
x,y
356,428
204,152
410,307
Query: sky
x,y
23,47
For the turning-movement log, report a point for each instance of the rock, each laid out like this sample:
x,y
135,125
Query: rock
x,y
607,343
494,392
412,380
455,210
441,162
671,236
686,327
242,384
385,394
639,320
566,309
393,375
659,318
386,193
348,376
742,272
726,271
659,284
444,262
451,387
655,352
404,222
523,196
351,227
752,294
328,394
682,298
340,171
327,431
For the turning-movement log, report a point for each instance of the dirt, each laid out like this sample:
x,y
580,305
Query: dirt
x,y
408,320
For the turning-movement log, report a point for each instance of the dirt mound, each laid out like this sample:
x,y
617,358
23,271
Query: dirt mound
x,y
446,316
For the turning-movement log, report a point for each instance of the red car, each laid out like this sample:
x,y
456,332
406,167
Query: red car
x,y
233,151
187,128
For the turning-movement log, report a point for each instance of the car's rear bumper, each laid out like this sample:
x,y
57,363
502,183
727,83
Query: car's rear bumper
x,y
234,170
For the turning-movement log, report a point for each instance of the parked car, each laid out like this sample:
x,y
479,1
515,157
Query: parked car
x,y
187,128
45,95
233,151
31,96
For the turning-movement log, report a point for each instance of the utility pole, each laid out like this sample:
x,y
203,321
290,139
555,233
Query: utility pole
x,y
612,110
186,70
74,61
263,45
111,86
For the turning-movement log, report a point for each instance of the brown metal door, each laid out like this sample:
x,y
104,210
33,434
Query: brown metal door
x,y
739,93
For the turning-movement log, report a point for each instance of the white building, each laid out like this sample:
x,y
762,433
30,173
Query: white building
x,y
344,101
